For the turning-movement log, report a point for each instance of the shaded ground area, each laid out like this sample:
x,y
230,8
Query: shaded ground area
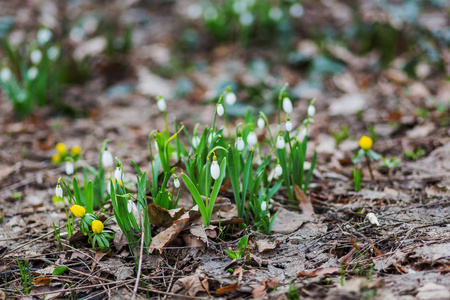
x,y
322,247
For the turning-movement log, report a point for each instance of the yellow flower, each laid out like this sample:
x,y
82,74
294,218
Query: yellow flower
x,y
97,226
76,150
61,148
78,211
56,158
365,143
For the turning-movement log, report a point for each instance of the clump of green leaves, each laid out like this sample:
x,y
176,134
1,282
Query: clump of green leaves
x,y
242,245
415,154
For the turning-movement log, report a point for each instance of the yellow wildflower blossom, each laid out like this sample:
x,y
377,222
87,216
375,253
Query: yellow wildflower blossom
x,y
61,148
97,226
365,143
76,150
78,211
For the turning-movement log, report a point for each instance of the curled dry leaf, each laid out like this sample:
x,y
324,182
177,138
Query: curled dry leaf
x,y
265,245
267,283
190,286
160,216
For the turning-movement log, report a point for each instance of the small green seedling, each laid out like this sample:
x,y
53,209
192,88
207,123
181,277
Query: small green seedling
x,y
414,155
242,245
366,151
342,135
357,174
390,162
25,276
293,293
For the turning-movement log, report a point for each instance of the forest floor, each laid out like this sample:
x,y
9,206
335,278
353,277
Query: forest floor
x,y
331,251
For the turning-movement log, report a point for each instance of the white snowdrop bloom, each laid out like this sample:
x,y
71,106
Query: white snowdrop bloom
x,y
107,159
275,13
44,35
252,139
215,169
195,141
373,219
194,11
303,132
36,56
58,191
230,98
261,123
280,142
5,74
278,170
239,7
32,73
53,53
118,174
162,106
156,146
287,105
210,13
176,183
69,168
264,206
211,137
90,25
311,110
220,110
239,143
296,10
131,206
77,34
246,19
288,125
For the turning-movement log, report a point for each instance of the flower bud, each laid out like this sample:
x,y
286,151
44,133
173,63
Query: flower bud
x,y
97,226
162,106
69,168
311,110
215,169
252,139
78,211
261,123
239,143
220,110
230,98
280,142
287,105
58,191
107,159
118,174
365,143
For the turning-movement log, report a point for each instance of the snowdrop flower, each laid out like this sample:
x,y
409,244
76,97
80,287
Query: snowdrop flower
x,y
36,56
373,219
5,74
264,206
210,13
69,167
176,182
275,13
246,19
162,106
194,11
311,110
287,105
239,7
280,142
44,35
230,98
278,170
107,159
252,139
296,10
195,141
288,125
53,53
156,146
303,132
131,206
220,109
239,143
261,123
32,73
215,169
58,190
118,174
77,34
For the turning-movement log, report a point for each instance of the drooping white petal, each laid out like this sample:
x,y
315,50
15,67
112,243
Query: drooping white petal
x,y
44,35
69,168
287,105
275,13
280,142
252,139
162,106
264,206
36,56
230,98
58,191
220,110
296,10
176,183
278,170
5,74
131,206
240,144
261,123
107,159
195,141
53,53
288,126
215,170
311,110
118,174
32,73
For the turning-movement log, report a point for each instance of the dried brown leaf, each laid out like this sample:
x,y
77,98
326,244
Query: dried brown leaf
x,y
265,245
304,201
319,272
189,286
160,216
227,288
42,281
267,283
